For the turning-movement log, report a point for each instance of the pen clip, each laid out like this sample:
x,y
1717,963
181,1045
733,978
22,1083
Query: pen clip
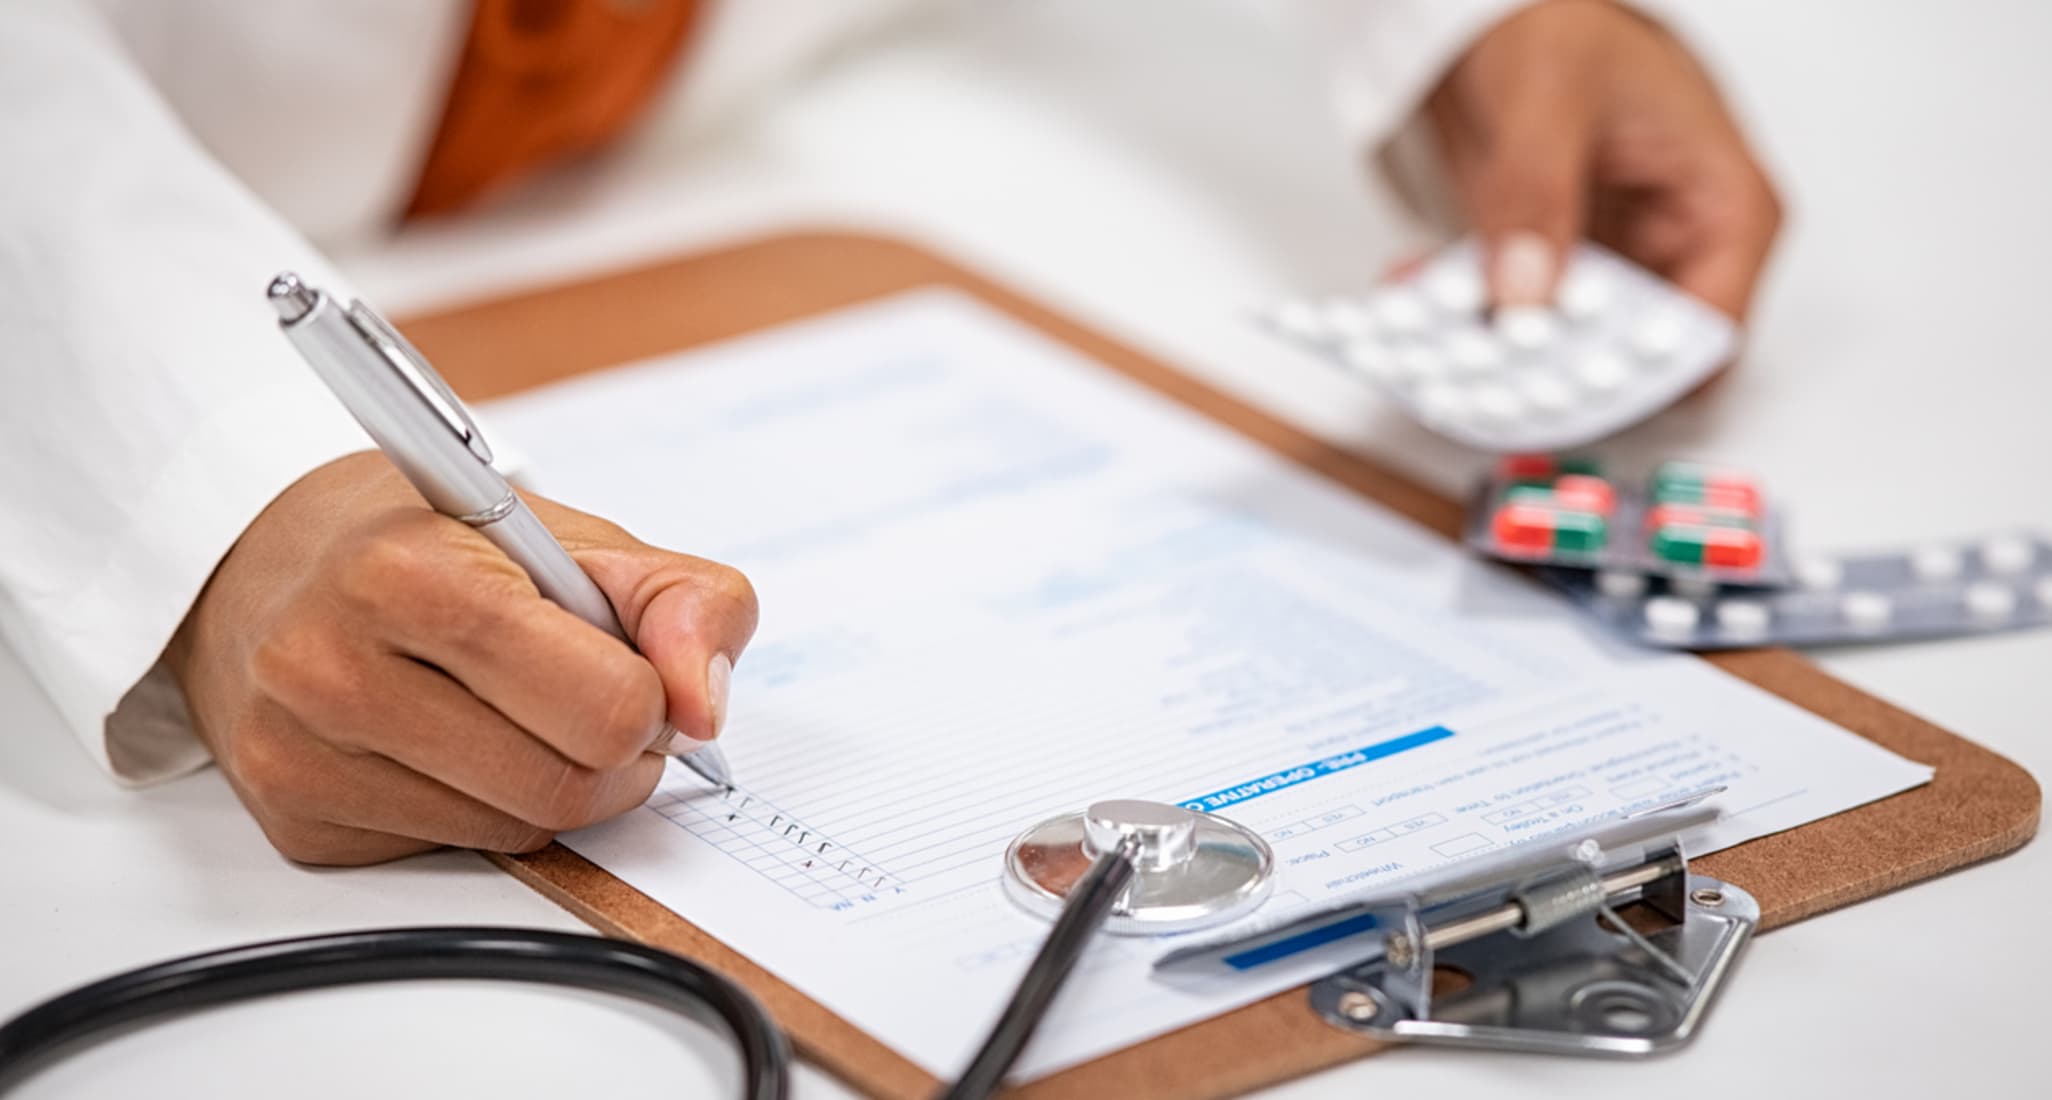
x,y
414,369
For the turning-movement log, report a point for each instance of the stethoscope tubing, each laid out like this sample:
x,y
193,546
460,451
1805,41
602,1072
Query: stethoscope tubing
x,y
256,970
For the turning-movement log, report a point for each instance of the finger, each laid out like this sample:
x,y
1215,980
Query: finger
x,y
1527,190
432,725
1725,266
690,618
295,784
323,845
440,592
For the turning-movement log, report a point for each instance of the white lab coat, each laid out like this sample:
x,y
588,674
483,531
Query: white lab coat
x,y
163,160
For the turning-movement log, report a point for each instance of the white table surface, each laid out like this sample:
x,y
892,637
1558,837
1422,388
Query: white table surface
x,y
1156,184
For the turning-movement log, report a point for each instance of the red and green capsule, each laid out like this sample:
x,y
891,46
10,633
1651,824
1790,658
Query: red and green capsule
x,y
1538,529
1721,545
1699,483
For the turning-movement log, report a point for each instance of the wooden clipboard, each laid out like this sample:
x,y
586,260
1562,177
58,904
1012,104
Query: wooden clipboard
x,y
1979,805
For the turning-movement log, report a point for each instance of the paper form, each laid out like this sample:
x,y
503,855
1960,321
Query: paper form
x,y
1000,582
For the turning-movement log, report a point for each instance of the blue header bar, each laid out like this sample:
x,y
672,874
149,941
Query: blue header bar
x,y
1304,773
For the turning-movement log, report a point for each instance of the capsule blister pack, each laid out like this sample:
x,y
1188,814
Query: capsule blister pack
x,y
1999,583
1696,523
1617,345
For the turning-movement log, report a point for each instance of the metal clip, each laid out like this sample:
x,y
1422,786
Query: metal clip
x,y
413,368
1544,962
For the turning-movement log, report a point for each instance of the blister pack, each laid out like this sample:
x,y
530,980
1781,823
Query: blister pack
x,y
1617,345
1689,521
1997,583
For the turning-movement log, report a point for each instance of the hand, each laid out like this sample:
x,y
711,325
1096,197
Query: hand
x,y
377,680
1578,118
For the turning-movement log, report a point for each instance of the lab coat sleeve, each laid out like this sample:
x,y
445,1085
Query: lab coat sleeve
x,y
148,407
1381,58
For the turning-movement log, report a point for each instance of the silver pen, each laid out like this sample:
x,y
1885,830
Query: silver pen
x,y
424,430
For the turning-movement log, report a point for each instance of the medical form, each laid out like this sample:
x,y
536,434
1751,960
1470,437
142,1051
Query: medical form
x,y
1000,582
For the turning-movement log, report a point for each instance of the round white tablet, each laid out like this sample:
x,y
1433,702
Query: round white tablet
x,y
1299,319
1443,403
1497,404
1527,328
1601,372
1670,618
1455,288
1866,611
1346,318
1618,584
1584,294
1743,620
1692,588
2007,554
1417,364
1371,358
1547,394
1990,601
1657,336
1399,311
1936,563
1819,572
1473,351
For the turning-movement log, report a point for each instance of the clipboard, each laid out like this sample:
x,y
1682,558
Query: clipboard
x,y
1979,805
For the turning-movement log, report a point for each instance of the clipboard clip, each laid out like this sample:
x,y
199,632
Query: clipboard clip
x,y
1596,943
1616,960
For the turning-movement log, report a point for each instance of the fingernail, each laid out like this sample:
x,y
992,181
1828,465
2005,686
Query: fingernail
x,y
1523,270
719,680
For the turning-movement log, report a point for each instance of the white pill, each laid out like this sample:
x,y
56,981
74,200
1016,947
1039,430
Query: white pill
x,y
1473,351
1619,584
1455,289
2043,590
1399,311
1819,572
1417,364
1346,318
2007,554
1443,403
1527,328
1671,618
1601,372
1743,619
1548,395
1936,563
1497,404
1299,319
1657,336
1866,611
1692,588
1371,359
1584,294
1990,602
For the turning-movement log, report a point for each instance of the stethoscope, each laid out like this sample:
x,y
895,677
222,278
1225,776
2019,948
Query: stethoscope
x,y
1127,867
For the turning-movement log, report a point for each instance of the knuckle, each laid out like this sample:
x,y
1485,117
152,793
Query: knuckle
x,y
730,586
390,561
310,842
633,704
271,774
569,798
302,664
520,838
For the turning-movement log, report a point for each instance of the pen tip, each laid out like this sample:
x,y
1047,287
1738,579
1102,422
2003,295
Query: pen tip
x,y
292,298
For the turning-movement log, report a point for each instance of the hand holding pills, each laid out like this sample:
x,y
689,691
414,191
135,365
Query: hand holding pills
x,y
1614,347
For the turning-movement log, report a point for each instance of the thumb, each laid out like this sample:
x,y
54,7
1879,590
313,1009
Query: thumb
x,y
1529,194
689,617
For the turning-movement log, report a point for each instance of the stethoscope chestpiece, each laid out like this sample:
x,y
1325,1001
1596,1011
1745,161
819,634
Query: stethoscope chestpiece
x,y
1190,870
